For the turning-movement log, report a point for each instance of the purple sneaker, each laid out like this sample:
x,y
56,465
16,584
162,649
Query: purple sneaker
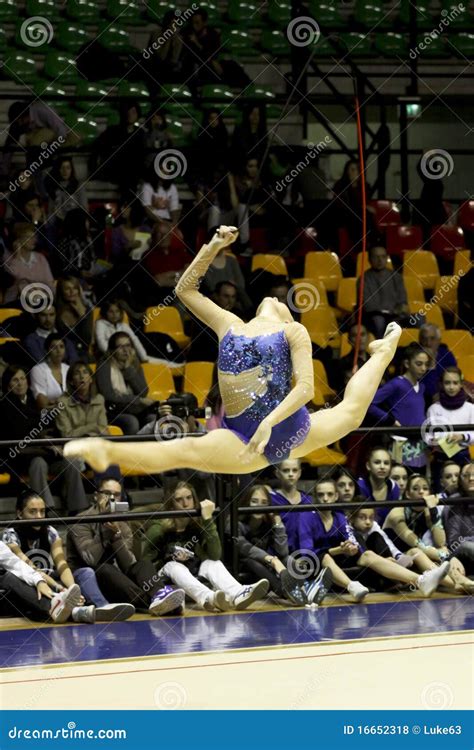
x,y
166,600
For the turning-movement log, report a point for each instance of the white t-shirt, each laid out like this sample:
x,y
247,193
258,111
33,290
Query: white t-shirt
x,y
438,415
43,381
168,200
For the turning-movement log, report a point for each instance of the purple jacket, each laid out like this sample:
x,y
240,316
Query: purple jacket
x,y
398,400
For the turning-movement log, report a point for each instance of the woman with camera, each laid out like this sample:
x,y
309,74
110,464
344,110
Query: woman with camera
x,y
186,549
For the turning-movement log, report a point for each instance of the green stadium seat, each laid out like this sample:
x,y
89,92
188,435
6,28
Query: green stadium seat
x,y
114,38
178,101
138,91
3,40
46,89
99,108
462,44
323,48
359,45
275,42
20,67
156,9
44,8
84,127
177,133
8,11
126,12
265,95
70,36
371,15
424,19
59,66
457,19
244,14
219,96
391,45
85,11
436,48
213,13
326,15
238,43
279,13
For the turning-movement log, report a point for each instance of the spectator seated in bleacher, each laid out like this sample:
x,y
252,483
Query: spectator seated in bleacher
x,y
160,199
128,231
212,145
163,266
26,190
449,477
21,420
64,190
440,357
39,123
121,381
165,47
377,485
82,412
107,549
250,137
385,297
74,314
48,377
157,135
34,342
459,522
75,253
25,265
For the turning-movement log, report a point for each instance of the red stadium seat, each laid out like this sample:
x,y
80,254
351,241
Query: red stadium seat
x,y
446,240
403,237
387,214
466,216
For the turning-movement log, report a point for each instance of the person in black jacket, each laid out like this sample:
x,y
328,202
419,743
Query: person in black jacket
x,y
121,381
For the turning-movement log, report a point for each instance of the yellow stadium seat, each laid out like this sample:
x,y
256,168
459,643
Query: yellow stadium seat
x,y
325,266
7,340
466,365
272,263
460,342
198,379
434,315
423,265
415,295
471,452
367,264
462,262
166,320
114,430
409,336
9,312
92,366
159,380
307,294
446,294
325,457
321,379
345,345
322,326
5,478
347,294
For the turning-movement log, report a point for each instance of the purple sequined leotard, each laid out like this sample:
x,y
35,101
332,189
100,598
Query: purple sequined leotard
x,y
268,356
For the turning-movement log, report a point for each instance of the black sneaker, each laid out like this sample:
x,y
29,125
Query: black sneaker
x,y
319,587
293,589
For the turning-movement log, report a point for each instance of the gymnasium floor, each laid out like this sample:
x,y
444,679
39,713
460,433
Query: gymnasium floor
x,y
392,652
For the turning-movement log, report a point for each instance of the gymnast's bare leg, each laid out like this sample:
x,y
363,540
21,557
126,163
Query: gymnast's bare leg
x,y
221,451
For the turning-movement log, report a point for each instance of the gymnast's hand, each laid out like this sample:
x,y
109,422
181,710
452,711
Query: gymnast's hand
x,y
223,237
257,444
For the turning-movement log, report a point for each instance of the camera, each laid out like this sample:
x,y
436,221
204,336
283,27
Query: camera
x,y
184,405
119,507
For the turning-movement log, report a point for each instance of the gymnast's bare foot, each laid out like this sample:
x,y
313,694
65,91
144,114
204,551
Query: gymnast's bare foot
x,y
387,345
93,450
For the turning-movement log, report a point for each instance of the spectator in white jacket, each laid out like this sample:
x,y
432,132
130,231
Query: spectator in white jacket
x,y
453,408
28,594
112,320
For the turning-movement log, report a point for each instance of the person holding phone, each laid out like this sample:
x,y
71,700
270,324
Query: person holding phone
x,y
105,549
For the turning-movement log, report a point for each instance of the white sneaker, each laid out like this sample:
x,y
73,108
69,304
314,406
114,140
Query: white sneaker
x,y
357,590
251,593
84,614
217,600
62,604
167,600
429,581
114,612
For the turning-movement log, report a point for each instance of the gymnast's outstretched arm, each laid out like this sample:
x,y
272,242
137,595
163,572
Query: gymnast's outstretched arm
x,y
187,287
302,391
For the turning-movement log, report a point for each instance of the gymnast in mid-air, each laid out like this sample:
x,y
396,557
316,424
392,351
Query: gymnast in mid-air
x,y
266,379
